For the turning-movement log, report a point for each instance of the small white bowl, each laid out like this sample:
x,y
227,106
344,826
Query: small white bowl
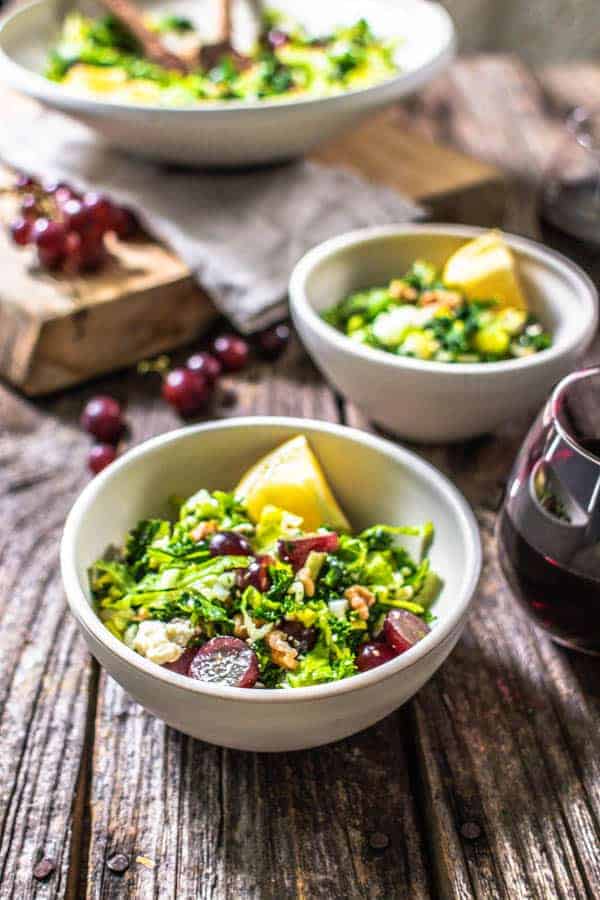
x,y
232,133
435,401
396,487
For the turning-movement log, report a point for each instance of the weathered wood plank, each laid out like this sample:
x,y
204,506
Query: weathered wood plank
x,y
44,669
220,823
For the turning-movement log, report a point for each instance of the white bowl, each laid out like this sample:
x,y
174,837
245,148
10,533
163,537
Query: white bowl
x,y
435,401
397,487
232,134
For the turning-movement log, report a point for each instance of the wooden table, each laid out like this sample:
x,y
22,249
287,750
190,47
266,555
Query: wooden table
x,y
486,785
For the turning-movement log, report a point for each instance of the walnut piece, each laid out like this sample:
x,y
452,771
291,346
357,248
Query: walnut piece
x,y
305,579
451,299
360,599
400,290
281,653
239,629
203,529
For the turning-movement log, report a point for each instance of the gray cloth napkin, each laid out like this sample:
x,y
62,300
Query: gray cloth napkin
x,y
240,234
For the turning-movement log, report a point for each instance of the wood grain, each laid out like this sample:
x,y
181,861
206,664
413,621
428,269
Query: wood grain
x,y
487,785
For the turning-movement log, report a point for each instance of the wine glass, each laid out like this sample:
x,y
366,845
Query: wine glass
x,y
549,527
569,204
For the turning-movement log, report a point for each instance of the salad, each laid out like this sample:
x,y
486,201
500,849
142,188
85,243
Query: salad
x,y
474,311
267,586
100,56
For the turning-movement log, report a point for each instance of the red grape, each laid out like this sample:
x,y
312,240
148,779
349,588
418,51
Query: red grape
x,y
76,216
49,234
229,543
123,222
49,259
277,38
23,180
226,660
185,390
102,416
205,363
402,629
101,456
29,205
49,238
296,550
272,342
20,231
231,351
63,194
373,654
92,252
302,637
256,575
51,187
100,208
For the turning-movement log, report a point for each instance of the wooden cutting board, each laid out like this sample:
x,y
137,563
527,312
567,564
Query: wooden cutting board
x,y
57,331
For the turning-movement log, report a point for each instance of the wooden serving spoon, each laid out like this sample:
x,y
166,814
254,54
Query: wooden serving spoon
x,y
129,14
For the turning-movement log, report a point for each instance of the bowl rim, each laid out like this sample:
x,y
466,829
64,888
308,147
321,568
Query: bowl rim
x,y
89,621
30,82
302,307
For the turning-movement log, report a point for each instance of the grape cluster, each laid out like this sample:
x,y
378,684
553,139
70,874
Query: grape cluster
x,y
67,228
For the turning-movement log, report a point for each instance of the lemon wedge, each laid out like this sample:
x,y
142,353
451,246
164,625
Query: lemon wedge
x,y
486,268
291,478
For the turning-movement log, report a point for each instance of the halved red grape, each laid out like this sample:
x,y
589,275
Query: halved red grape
x,y
207,364
102,416
101,456
373,654
182,665
185,390
20,231
225,660
229,543
231,351
402,629
296,550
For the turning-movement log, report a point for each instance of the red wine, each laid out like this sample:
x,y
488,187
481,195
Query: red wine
x,y
564,602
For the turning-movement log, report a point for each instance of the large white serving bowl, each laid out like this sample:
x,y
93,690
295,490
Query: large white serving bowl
x,y
435,401
232,134
374,480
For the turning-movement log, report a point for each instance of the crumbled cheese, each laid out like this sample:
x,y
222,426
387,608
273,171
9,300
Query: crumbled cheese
x,y
391,327
163,642
338,608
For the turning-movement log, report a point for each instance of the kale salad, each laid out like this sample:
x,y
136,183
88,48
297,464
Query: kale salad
x,y
474,311
253,599
101,57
